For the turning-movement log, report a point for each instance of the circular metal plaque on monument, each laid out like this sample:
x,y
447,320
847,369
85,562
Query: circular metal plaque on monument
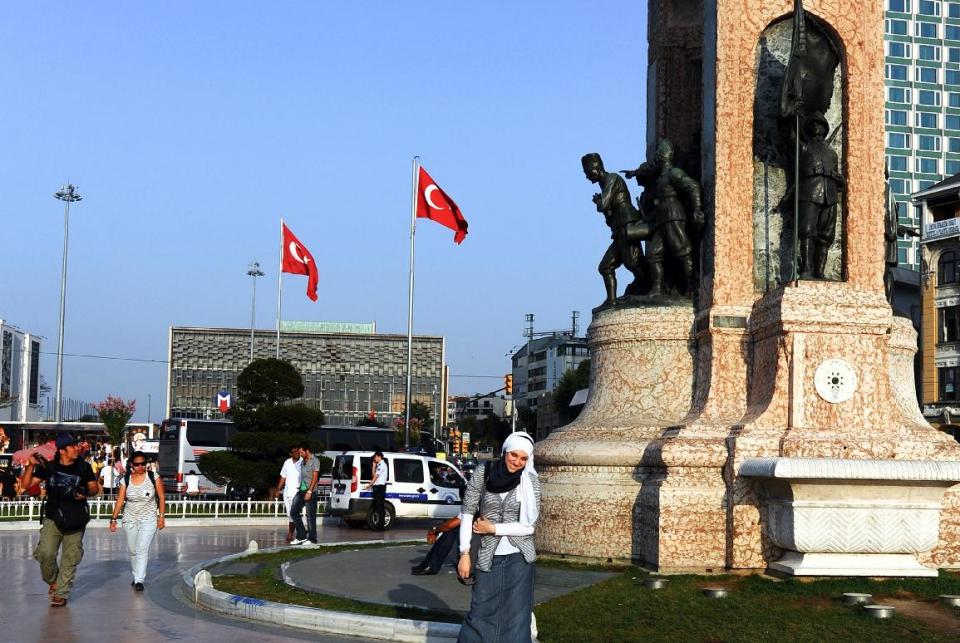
x,y
836,381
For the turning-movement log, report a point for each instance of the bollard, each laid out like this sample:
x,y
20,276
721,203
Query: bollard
x,y
202,579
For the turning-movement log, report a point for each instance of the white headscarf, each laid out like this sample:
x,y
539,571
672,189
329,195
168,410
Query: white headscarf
x,y
529,511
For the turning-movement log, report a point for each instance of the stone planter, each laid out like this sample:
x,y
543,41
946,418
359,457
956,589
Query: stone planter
x,y
836,517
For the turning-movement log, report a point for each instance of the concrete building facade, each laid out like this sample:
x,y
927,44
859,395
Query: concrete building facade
x,y
939,206
345,374
538,366
19,375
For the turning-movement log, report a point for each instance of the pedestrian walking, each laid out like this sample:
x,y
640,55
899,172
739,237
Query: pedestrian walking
x,y
143,505
306,498
289,484
505,499
378,484
69,482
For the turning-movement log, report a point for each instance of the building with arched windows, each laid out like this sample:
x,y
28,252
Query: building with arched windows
x,y
938,208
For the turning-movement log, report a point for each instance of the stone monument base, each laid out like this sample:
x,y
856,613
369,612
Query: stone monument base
x,y
796,564
641,381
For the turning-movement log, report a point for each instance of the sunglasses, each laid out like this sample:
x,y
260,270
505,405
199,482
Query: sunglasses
x,y
139,464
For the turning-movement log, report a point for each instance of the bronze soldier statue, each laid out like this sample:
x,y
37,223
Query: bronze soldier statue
x,y
820,184
669,184
626,229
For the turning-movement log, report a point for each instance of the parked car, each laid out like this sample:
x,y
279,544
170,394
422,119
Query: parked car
x,y
417,487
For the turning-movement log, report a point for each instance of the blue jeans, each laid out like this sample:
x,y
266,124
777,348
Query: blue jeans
x,y
501,604
300,502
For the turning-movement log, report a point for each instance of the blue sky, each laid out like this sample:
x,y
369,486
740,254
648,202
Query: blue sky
x,y
192,127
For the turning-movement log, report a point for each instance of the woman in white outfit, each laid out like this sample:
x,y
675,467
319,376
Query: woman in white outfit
x,y
142,502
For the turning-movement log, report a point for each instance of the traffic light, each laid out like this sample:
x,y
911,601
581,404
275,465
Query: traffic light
x,y
508,384
455,440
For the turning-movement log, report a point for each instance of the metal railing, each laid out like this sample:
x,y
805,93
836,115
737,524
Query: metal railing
x,y
176,508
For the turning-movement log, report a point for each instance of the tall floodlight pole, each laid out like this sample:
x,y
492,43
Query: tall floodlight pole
x,y
68,194
254,272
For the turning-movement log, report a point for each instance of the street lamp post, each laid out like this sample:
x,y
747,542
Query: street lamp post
x,y
68,194
254,272
436,412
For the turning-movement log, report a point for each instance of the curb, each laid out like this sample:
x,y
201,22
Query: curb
x,y
197,586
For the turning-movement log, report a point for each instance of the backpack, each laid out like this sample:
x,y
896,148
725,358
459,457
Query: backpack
x,y
153,483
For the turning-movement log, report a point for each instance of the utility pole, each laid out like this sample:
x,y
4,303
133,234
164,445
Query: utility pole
x,y
254,272
68,194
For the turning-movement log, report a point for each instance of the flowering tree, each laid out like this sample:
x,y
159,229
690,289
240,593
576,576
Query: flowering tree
x,y
115,412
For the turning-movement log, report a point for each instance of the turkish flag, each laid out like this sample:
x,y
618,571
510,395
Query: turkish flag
x,y
297,260
433,203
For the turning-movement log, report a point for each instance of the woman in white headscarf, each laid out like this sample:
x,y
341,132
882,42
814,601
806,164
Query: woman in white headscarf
x,y
502,503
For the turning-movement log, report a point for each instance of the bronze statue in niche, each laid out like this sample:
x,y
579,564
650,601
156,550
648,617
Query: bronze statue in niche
x,y
798,170
805,96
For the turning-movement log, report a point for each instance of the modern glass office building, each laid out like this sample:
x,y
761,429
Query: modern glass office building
x,y
922,103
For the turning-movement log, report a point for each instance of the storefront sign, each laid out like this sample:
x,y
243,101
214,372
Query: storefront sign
x,y
941,229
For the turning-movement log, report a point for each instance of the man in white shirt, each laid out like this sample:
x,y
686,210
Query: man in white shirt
x,y
290,485
379,486
192,480
106,479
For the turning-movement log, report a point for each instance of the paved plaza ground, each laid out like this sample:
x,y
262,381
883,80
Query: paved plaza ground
x,y
104,607
383,576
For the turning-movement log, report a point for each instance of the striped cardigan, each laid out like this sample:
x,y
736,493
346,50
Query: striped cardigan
x,y
496,510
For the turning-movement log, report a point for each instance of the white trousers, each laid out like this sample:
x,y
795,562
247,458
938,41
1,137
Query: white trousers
x,y
139,537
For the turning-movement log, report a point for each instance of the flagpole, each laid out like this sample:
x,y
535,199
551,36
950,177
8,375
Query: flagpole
x,y
280,288
413,233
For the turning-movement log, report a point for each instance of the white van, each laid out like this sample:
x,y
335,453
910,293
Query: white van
x,y
417,487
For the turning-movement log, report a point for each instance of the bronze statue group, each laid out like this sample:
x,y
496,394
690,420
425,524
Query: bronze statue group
x,y
668,217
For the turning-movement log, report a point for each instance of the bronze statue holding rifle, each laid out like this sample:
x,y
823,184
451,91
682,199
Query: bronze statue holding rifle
x,y
672,190
805,96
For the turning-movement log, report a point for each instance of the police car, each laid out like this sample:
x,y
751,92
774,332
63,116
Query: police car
x,y
417,487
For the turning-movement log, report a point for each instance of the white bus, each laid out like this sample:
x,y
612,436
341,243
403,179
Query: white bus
x,y
182,442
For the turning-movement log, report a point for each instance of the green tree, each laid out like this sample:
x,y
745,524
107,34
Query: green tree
x,y
421,411
493,431
268,381
264,391
572,381
527,419
269,425
415,426
254,459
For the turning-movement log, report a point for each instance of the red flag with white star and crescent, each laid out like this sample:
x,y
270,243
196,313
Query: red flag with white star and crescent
x,y
434,204
297,260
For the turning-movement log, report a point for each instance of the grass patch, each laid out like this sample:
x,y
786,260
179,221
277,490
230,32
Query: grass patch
x,y
758,609
298,553
268,587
